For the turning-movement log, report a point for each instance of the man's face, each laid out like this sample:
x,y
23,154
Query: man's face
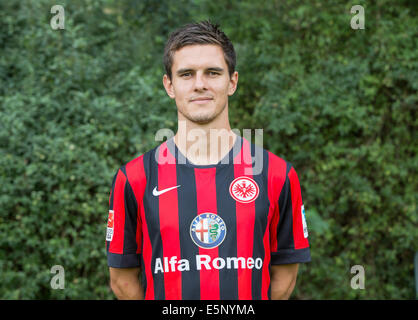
x,y
200,82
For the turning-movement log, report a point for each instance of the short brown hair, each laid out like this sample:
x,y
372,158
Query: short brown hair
x,y
203,32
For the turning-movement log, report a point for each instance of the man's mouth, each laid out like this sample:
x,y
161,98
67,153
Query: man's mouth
x,y
201,100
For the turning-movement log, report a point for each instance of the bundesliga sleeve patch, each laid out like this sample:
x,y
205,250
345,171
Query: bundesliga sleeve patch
x,y
305,227
110,224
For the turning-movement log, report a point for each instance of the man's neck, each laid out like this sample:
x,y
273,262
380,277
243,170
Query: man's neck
x,y
204,144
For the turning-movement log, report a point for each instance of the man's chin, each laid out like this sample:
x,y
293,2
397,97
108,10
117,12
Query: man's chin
x,y
201,118
205,120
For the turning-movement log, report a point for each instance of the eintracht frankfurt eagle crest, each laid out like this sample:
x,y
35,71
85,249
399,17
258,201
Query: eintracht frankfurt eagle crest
x,y
244,189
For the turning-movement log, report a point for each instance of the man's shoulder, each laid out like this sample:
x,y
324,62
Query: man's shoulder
x,y
144,156
276,164
135,168
276,169
277,161
280,169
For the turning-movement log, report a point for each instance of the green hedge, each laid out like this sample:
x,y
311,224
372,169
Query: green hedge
x,y
338,103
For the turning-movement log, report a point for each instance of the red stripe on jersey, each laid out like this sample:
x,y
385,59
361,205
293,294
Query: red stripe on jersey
x,y
116,245
299,239
245,217
206,203
276,182
138,180
169,220
136,177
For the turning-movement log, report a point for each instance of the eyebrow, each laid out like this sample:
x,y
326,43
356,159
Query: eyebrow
x,y
184,70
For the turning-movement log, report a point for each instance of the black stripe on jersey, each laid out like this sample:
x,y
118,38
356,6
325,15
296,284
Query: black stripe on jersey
x,y
131,208
226,207
187,210
285,227
153,222
261,218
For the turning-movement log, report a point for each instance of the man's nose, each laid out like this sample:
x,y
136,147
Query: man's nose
x,y
200,82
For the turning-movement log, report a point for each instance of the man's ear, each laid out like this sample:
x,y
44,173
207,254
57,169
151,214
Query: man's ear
x,y
233,82
168,85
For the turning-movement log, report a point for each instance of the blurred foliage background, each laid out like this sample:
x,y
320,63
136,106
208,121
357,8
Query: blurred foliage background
x,y
339,104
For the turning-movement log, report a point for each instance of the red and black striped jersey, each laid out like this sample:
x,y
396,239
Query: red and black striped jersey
x,y
206,231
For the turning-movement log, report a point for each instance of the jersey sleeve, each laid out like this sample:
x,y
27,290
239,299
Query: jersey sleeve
x,y
291,244
123,233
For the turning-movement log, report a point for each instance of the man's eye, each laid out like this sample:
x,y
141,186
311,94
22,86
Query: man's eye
x,y
187,74
213,73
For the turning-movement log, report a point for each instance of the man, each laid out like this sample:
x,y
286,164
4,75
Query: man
x,y
193,217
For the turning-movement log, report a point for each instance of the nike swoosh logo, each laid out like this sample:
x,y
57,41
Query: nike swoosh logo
x,y
156,193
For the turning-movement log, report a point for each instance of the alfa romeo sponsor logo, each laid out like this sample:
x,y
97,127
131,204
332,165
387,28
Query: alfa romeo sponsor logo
x,y
208,230
244,189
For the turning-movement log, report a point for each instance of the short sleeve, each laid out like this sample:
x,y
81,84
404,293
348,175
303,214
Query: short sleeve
x,y
123,233
292,245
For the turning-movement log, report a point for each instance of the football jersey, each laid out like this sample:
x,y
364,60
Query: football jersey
x,y
206,231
